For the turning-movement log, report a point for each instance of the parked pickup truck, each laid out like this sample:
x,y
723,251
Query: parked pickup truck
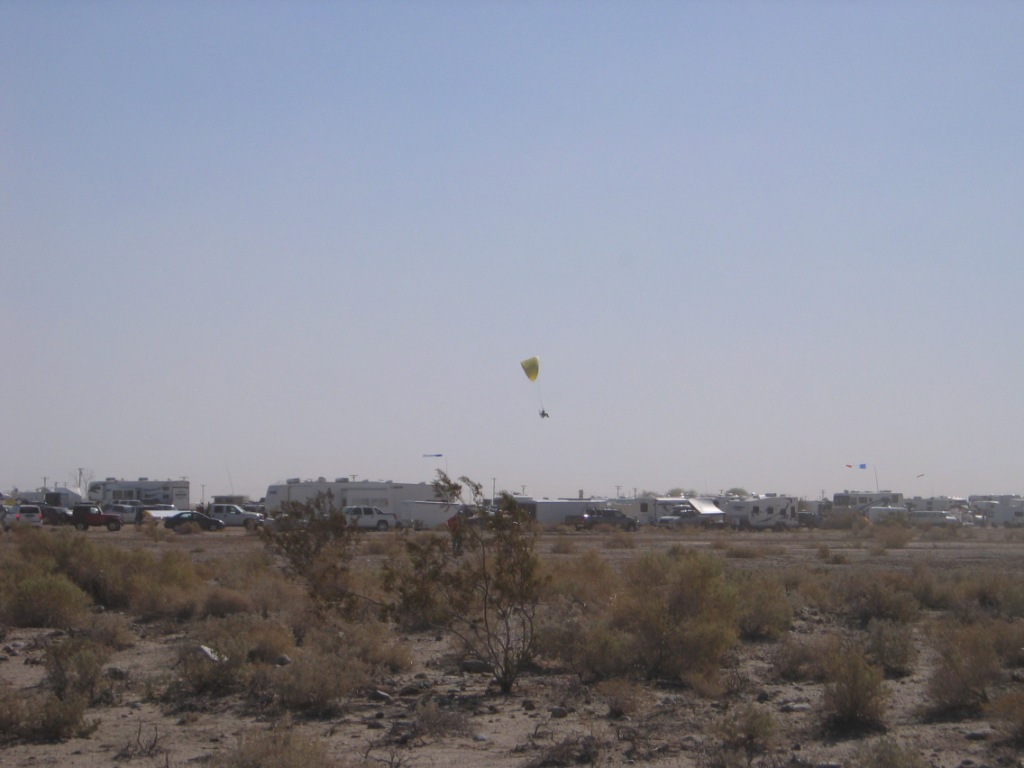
x,y
232,514
372,518
84,516
607,516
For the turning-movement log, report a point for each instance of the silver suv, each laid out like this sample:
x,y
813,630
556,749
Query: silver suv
x,y
22,514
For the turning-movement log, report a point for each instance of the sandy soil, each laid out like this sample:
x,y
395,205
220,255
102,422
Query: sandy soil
x,y
550,719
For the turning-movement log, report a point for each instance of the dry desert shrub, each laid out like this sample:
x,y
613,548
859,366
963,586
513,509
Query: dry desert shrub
x,y
74,669
966,667
868,596
318,684
986,593
154,531
891,535
743,734
279,748
667,617
224,601
371,642
765,611
46,600
855,694
587,579
743,552
574,749
381,544
805,659
172,589
38,718
618,540
563,545
890,644
112,630
933,591
887,752
1008,710
621,695
1008,641
435,720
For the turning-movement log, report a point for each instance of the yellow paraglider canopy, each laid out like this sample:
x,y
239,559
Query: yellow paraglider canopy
x,y
531,367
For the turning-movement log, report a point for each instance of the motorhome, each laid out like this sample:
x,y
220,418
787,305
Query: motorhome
x,y
999,510
768,511
143,490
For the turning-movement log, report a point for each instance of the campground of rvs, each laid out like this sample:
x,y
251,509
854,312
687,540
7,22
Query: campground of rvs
x,y
894,601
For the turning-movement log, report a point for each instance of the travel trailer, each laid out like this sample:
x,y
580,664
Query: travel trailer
x,y
860,501
769,511
344,492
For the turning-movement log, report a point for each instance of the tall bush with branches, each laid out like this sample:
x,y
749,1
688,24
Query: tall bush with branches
x,y
486,590
316,545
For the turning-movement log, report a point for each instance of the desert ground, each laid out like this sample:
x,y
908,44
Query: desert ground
x,y
552,717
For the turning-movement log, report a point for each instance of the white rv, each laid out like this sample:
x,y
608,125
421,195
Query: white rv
x,y
143,491
999,510
769,511
343,492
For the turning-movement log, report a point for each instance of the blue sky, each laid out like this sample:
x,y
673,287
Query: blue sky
x,y
751,243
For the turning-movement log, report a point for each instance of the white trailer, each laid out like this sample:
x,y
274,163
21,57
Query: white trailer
x,y
769,511
144,491
999,510
344,492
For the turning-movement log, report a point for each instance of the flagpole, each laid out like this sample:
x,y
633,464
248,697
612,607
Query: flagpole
x,y
876,477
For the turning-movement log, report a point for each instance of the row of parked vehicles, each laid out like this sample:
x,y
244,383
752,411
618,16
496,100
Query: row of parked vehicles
x,y
214,517
87,515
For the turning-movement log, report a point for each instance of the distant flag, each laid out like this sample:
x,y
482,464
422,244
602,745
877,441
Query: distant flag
x,y
856,466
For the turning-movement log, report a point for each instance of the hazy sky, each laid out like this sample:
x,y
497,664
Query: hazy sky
x,y
752,243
